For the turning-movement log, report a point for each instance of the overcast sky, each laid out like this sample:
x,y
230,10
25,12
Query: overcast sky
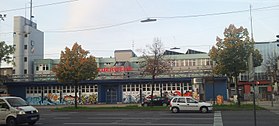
x,y
102,26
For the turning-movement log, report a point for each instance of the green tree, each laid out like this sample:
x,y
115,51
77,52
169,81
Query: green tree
x,y
153,62
5,53
231,54
75,65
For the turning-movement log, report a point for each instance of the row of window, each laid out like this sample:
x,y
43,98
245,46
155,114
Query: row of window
x,y
42,67
157,87
63,89
191,62
186,62
94,88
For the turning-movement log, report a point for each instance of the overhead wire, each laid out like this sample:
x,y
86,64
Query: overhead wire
x,y
137,20
42,5
170,17
95,28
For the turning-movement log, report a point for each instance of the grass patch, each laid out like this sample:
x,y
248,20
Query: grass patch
x,y
128,107
234,107
224,107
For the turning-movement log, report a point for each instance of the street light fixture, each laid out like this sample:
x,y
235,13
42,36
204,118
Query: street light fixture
x,y
148,20
174,48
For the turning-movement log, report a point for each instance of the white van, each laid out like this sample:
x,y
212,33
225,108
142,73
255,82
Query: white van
x,y
14,110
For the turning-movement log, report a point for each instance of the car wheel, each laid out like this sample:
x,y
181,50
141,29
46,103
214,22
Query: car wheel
x,y
145,105
11,121
204,109
165,104
175,110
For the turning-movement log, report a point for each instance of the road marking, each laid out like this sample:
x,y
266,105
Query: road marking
x,y
148,118
137,124
218,119
113,114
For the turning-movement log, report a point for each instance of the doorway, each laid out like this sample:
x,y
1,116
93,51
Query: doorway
x,y
111,95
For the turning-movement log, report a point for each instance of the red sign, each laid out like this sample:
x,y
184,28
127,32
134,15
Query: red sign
x,y
115,69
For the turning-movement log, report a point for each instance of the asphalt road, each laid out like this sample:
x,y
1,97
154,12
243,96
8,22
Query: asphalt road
x,y
155,118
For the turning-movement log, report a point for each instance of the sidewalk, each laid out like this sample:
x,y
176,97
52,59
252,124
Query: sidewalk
x,y
268,105
93,105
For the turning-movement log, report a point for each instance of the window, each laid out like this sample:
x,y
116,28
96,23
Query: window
x,y
133,87
25,71
13,71
124,88
25,47
35,90
157,87
128,88
190,100
39,90
181,100
37,68
47,67
186,62
174,100
194,62
25,59
27,90
87,88
137,88
45,90
31,90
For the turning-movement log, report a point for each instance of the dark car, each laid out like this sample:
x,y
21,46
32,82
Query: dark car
x,y
156,102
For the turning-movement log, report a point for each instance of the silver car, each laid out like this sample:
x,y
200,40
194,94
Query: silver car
x,y
181,103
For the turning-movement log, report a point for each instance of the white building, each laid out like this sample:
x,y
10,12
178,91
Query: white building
x,y
29,45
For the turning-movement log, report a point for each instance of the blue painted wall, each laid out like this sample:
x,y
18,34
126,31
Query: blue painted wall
x,y
220,86
19,91
102,92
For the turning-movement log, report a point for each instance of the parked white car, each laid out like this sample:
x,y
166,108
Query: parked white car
x,y
180,103
15,110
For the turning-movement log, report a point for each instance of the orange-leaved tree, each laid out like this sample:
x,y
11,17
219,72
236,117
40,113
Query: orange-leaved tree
x,y
75,65
231,54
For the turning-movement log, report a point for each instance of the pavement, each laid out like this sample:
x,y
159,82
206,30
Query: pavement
x,y
271,106
91,105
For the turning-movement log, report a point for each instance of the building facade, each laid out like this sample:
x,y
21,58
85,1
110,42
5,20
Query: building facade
x,y
264,84
120,80
29,45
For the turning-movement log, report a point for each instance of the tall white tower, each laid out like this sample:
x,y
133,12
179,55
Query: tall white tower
x,y
29,45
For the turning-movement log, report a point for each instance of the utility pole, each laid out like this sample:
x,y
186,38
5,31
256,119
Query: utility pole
x,y
251,70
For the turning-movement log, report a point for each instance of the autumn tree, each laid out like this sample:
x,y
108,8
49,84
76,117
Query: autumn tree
x,y
5,53
153,62
75,65
231,54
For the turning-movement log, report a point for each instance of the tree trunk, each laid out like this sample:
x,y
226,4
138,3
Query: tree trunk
x,y
237,91
76,88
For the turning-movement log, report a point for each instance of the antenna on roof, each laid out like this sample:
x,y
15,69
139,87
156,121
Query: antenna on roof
x,y
31,16
133,45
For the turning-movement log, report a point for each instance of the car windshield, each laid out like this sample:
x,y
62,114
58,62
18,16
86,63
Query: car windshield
x,y
16,102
